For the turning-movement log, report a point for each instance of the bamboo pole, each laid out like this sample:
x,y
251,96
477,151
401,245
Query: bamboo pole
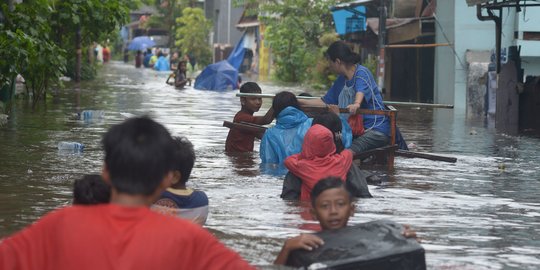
x,y
396,103
431,45
410,154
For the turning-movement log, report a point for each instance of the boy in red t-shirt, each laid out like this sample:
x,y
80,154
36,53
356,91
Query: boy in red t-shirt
x,y
125,233
241,140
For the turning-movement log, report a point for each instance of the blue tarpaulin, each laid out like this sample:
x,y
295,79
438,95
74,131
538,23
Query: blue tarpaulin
x,y
217,76
237,55
349,21
224,74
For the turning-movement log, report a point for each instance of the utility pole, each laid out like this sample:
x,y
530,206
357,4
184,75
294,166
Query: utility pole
x,y
382,44
229,22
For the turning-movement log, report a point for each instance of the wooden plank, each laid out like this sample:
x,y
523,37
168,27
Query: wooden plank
x,y
409,154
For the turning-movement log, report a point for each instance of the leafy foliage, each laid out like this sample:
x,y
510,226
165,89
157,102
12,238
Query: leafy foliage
x,y
192,32
26,48
97,20
168,10
37,35
293,31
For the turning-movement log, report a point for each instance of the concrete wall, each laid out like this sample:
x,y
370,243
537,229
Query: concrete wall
x,y
224,17
459,26
444,56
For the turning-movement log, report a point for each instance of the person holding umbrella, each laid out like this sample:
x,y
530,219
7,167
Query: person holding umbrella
x,y
140,44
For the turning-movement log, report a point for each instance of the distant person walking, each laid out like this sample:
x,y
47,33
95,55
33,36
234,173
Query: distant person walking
x,y
138,59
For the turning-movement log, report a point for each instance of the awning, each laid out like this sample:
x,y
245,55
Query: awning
x,y
247,24
134,24
247,20
403,29
352,4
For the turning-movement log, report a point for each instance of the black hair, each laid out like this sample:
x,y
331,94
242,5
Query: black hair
x,y
184,157
91,189
332,122
340,50
149,50
283,100
250,87
325,184
180,63
138,155
160,54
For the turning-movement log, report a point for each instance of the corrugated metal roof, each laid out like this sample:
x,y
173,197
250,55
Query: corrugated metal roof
x,y
351,4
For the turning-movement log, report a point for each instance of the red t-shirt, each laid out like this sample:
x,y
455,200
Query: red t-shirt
x,y
111,236
241,141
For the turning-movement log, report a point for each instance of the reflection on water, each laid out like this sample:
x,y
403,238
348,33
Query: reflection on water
x,y
482,212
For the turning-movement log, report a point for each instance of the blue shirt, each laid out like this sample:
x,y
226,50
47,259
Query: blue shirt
x,y
363,82
147,59
184,203
162,64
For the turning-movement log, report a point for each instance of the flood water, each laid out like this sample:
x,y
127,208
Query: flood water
x,y
482,212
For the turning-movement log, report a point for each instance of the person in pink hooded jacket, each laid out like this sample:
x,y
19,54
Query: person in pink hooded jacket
x,y
318,160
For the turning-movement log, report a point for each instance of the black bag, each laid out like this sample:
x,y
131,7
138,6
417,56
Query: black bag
x,y
292,185
356,182
376,245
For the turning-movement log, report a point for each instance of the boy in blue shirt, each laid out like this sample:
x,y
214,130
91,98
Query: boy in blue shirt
x,y
178,200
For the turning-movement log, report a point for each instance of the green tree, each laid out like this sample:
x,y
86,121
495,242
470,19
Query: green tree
x,y
192,31
77,23
168,10
26,48
294,28
35,35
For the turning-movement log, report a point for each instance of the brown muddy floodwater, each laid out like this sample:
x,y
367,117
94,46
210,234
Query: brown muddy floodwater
x,y
482,212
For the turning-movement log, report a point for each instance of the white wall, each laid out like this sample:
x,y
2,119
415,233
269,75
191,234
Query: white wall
x,y
528,20
465,32
444,56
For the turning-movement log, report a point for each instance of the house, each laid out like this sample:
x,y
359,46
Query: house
x,y
461,69
224,16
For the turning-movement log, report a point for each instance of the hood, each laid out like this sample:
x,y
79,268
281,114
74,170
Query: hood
x,y
318,142
290,117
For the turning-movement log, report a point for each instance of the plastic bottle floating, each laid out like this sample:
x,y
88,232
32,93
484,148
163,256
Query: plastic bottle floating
x,y
70,146
89,115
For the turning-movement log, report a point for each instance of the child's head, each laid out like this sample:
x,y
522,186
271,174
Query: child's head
x,y
252,104
332,203
283,100
184,159
138,156
181,65
91,189
332,122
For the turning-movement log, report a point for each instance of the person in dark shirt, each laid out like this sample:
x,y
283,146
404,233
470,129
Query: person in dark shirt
x,y
239,140
180,78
